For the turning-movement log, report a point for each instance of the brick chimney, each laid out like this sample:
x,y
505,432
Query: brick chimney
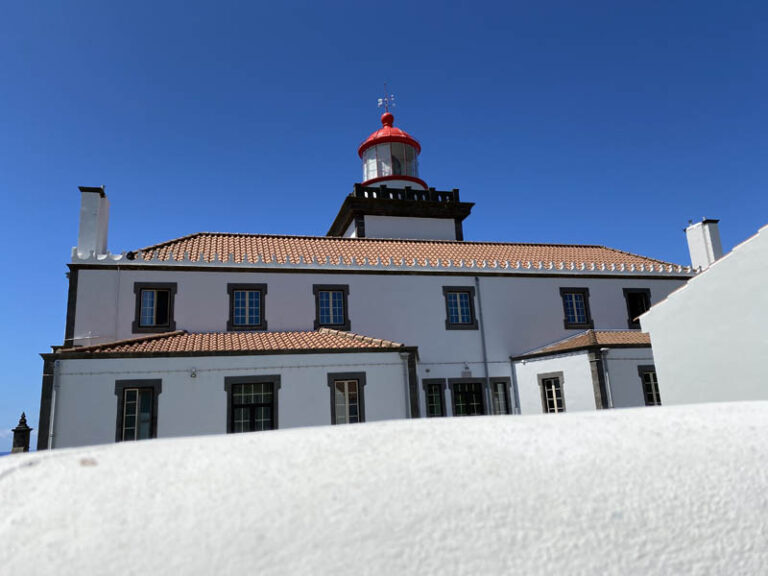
x,y
704,243
94,221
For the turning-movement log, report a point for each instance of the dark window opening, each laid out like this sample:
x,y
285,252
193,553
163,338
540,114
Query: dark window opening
x,y
435,400
638,303
650,385
253,407
468,399
154,307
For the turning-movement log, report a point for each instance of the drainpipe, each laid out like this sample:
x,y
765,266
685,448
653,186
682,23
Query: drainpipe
x,y
405,356
488,396
608,394
52,420
515,392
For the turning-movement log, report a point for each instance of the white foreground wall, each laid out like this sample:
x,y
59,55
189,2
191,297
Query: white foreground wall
x,y
632,493
86,404
710,339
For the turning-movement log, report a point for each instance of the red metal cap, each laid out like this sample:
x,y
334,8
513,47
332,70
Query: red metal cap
x,y
388,133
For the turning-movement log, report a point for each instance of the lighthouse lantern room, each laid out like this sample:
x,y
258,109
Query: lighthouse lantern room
x,y
390,156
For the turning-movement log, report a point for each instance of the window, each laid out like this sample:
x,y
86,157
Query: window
x,y
137,409
246,307
251,403
434,392
576,308
650,385
460,308
552,399
500,396
154,307
331,306
347,399
638,302
468,398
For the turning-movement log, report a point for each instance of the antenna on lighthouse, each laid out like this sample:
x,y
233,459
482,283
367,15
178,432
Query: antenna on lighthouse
x,y
387,101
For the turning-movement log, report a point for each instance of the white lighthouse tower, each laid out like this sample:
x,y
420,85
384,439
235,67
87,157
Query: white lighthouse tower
x,y
392,201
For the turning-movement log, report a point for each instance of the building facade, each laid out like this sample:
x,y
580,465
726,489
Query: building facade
x,y
462,328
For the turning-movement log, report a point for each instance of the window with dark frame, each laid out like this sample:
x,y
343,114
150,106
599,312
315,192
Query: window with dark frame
x,y
154,307
345,393
576,308
650,385
468,399
137,409
331,306
638,303
137,413
500,396
435,399
460,307
252,403
253,407
246,307
552,394
347,397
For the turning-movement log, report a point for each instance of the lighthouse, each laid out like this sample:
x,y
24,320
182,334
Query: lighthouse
x,y
393,201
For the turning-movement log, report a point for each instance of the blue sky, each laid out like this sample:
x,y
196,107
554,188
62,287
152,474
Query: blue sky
x,y
567,122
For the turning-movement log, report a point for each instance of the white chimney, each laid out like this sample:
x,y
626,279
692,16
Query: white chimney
x,y
94,220
704,243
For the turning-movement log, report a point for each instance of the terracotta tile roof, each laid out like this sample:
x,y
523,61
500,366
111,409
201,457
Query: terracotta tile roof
x,y
593,338
181,342
272,249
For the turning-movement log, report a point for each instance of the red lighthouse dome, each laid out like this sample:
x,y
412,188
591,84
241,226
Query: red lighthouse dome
x,y
390,156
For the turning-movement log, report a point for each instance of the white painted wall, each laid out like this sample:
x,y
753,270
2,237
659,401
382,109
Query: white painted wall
x,y
410,228
626,386
710,339
86,404
577,382
519,313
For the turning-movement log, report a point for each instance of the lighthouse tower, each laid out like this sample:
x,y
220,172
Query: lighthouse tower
x,y
393,201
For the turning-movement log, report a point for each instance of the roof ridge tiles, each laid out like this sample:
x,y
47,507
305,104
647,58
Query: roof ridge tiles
x,y
385,240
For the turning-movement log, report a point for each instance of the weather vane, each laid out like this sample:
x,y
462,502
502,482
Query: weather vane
x,y
387,101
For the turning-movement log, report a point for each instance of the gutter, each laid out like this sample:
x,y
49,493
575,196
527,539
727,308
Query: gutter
x,y
52,421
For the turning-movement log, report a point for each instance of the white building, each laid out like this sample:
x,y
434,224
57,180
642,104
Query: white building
x,y
710,337
222,329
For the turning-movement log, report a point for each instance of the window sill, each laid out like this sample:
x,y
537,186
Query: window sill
x,y
137,329
246,327
469,326
583,326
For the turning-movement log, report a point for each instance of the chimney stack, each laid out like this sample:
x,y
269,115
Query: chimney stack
x,y
94,220
21,435
704,243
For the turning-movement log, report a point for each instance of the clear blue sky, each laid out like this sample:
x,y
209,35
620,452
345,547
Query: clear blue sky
x,y
570,122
